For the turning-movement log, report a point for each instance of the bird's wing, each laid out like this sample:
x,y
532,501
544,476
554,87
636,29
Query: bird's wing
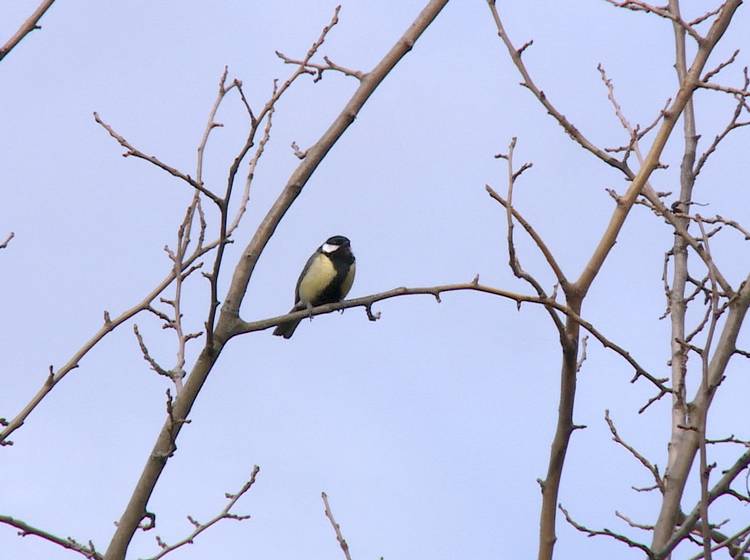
x,y
302,275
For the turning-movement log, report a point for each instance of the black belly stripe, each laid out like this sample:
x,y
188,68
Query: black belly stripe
x,y
332,292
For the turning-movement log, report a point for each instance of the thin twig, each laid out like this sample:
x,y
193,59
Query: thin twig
x,y
336,527
637,6
225,513
110,324
24,529
653,469
317,70
31,23
266,111
605,533
514,263
733,124
242,207
4,244
132,151
559,274
146,356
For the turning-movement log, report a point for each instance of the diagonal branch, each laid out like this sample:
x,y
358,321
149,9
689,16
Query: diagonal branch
x,y
24,529
157,459
336,527
528,83
606,533
638,6
722,487
132,151
653,469
225,513
559,274
8,239
110,324
31,23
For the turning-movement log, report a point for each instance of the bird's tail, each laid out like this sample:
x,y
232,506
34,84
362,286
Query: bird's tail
x,y
287,329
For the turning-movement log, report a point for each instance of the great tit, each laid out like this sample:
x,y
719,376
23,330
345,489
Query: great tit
x,y
326,278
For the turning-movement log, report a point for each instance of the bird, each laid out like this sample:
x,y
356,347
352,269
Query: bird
x,y
326,278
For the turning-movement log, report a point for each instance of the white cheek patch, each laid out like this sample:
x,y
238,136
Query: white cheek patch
x,y
328,248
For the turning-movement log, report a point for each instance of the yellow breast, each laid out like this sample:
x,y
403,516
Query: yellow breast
x,y
319,274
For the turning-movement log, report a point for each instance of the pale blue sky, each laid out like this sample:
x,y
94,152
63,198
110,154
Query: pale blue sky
x,y
427,428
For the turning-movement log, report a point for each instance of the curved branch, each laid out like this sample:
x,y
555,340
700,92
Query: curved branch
x,y
243,327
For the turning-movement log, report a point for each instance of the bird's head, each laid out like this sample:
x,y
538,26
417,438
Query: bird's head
x,y
334,244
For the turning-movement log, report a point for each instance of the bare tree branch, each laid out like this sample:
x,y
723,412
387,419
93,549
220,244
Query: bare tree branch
x,y
31,23
4,244
146,356
728,542
638,184
228,319
132,151
198,527
317,70
606,533
637,6
24,530
266,112
336,527
711,73
109,325
513,262
528,83
734,123
653,469
722,487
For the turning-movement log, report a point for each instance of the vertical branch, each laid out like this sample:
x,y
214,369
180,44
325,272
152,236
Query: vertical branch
x,y
510,213
706,385
576,292
563,431
674,483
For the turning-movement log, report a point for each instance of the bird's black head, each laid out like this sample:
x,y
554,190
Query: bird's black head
x,y
335,243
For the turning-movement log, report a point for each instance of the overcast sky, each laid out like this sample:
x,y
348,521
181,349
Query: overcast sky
x,y
428,428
